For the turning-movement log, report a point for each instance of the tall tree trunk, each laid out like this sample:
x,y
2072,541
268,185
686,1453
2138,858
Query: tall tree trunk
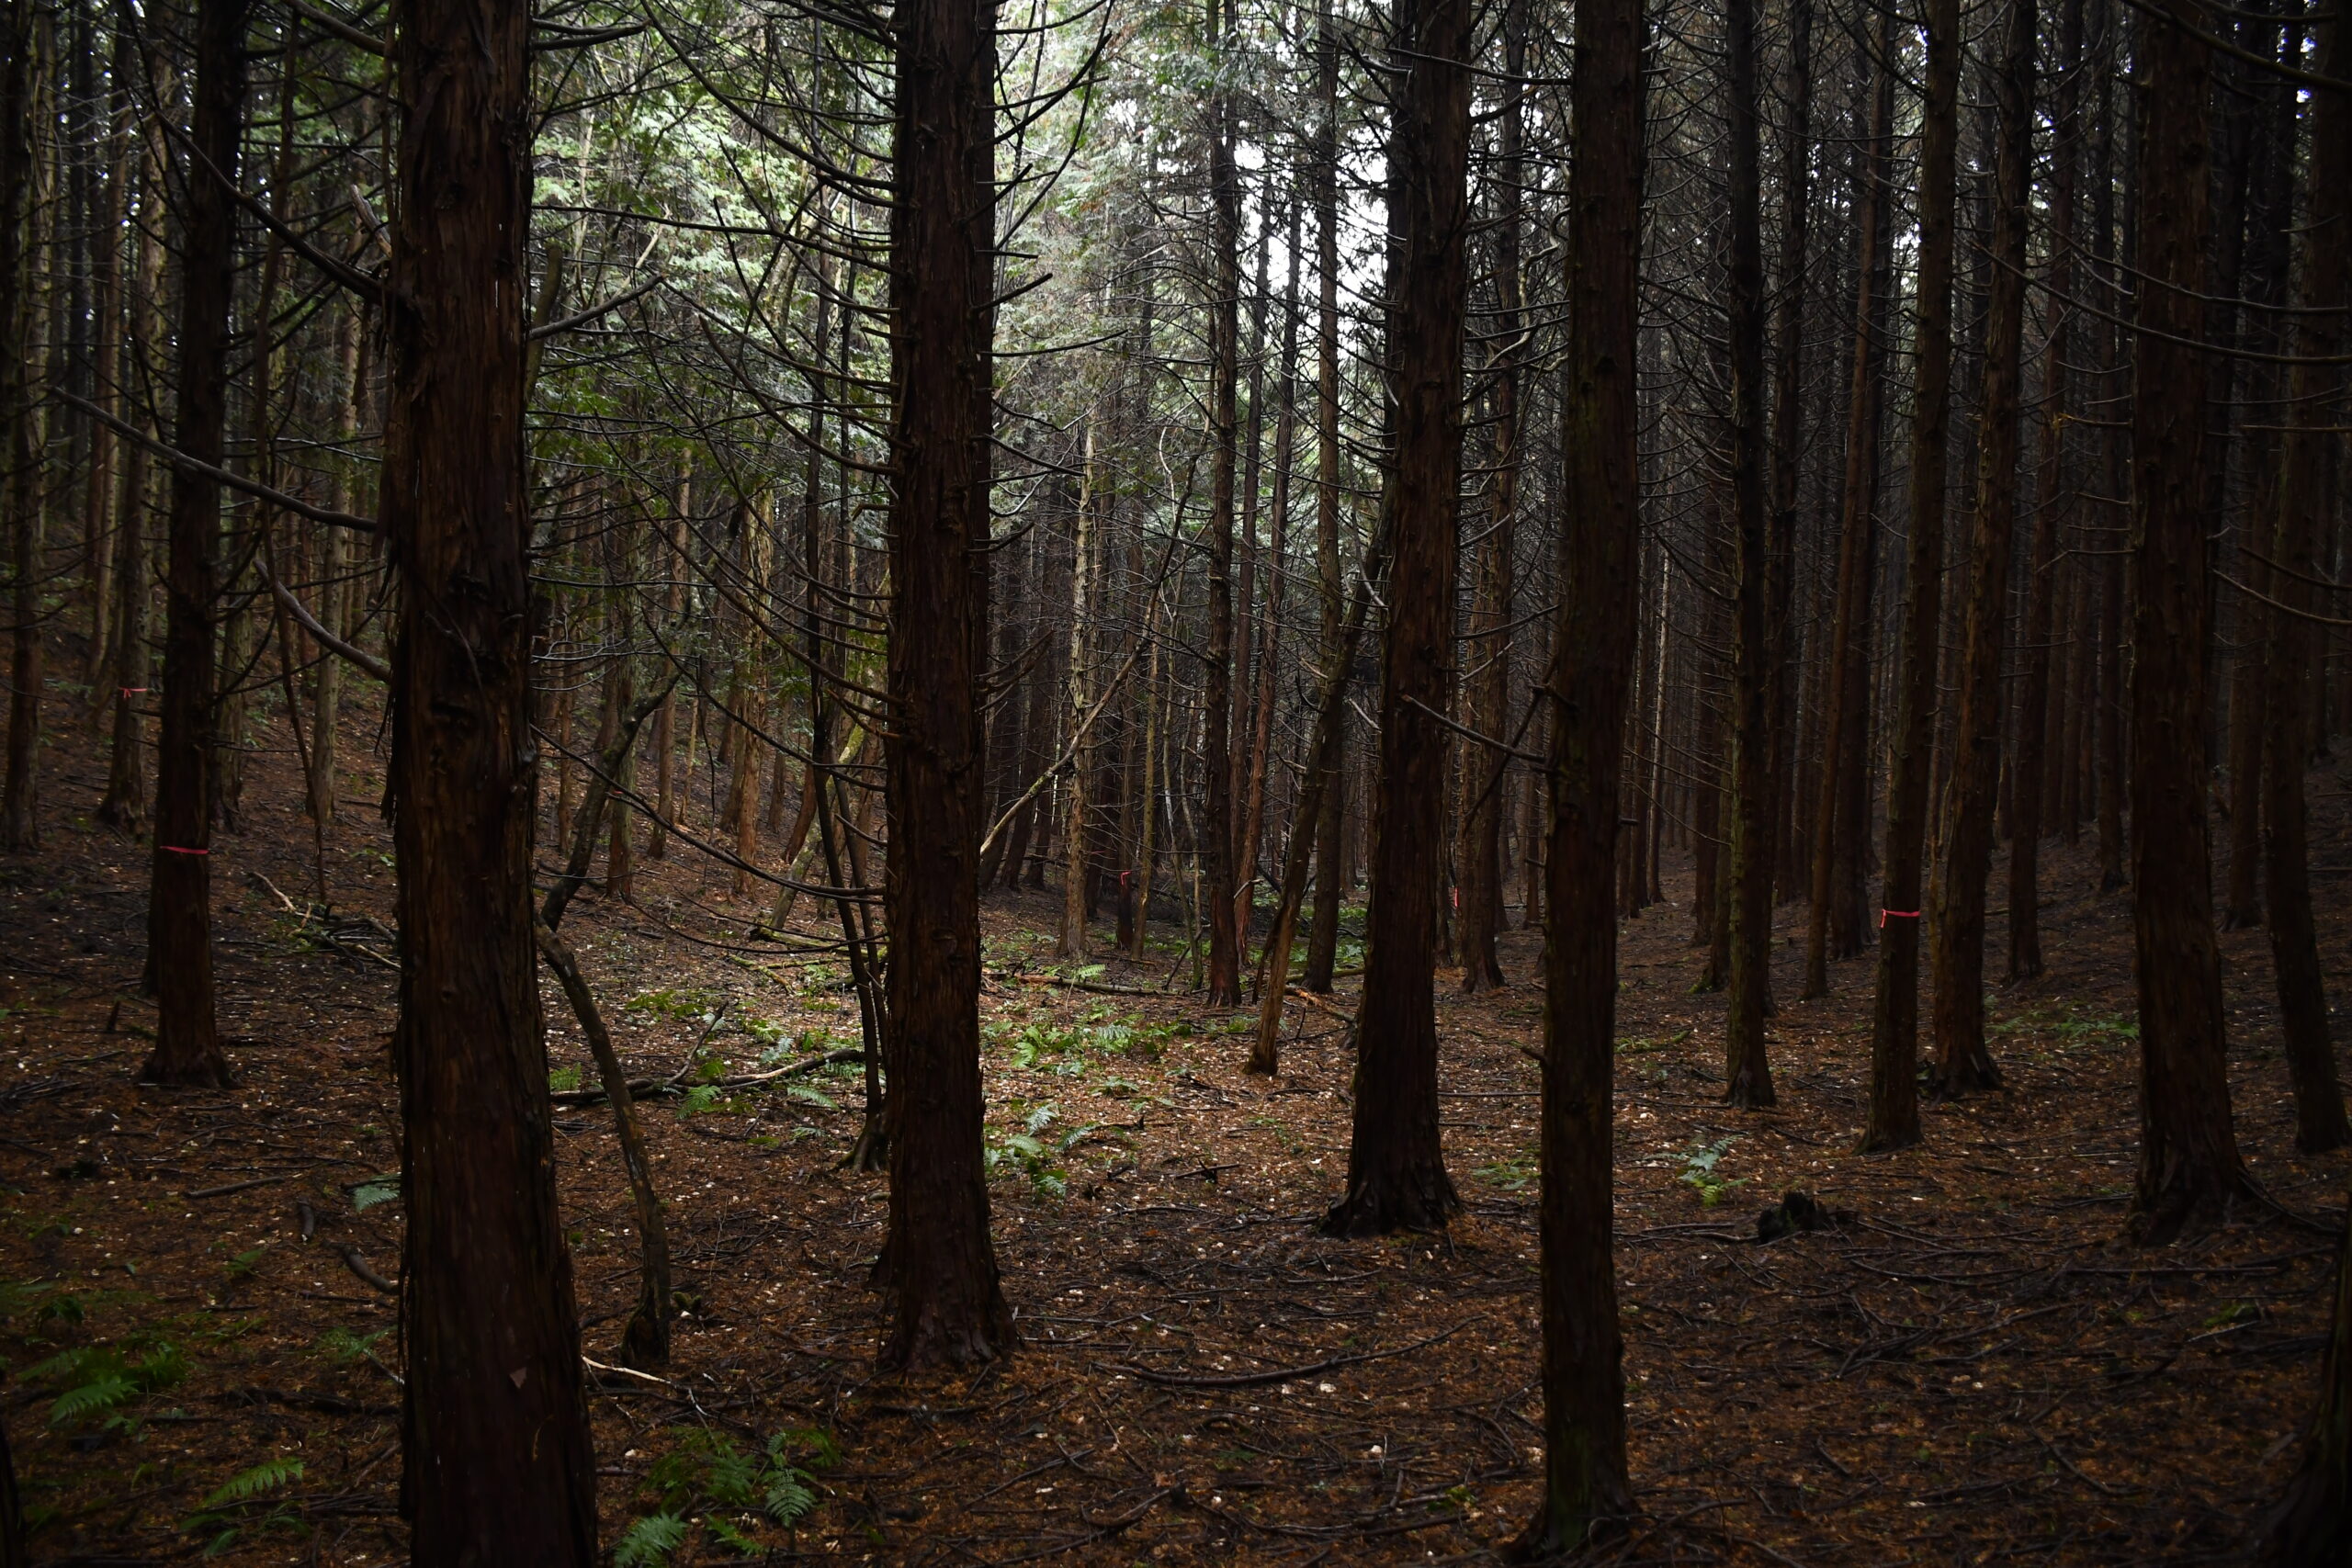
x,y
1262,729
2189,1165
1586,1489
1397,1177
1225,355
1330,846
124,805
2112,589
1892,1119
1841,809
1074,838
938,1262
179,912
1788,419
495,1422
25,110
1483,766
1747,1075
2310,461
1956,900
2053,511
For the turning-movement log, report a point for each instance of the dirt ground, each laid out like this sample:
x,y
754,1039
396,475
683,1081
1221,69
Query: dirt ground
x,y
1971,1365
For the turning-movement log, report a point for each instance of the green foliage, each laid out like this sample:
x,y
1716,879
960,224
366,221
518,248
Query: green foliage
x,y
95,1379
564,1081
342,1346
247,1503
384,1189
709,1099
1512,1173
1698,1162
704,1475
692,1004
1643,1045
648,1542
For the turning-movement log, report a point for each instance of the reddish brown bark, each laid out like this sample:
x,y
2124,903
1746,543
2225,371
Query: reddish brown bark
x,y
2189,1166
493,1418
1397,1177
1585,1490
938,1264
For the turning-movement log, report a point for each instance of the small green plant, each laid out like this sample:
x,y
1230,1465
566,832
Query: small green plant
x,y
706,1478
376,1190
686,1004
1028,1152
709,1099
1512,1173
1699,1163
1647,1044
342,1345
564,1081
96,1379
244,1264
248,1503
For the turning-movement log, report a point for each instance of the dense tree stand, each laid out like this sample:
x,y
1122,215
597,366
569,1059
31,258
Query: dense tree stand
x,y
938,1264
1396,1178
2311,1525
494,1417
1586,1491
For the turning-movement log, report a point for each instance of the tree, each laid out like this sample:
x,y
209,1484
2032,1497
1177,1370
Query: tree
x,y
2311,1525
1893,1119
1225,367
1482,861
1323,176
179,908
1747,1075
1584,1484
1397,1177
1841,811
2189,1165
1956,901
495,1420
937,1262
2311,460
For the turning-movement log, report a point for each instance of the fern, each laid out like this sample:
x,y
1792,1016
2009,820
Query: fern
x,y
648,1542
269,1476
87,1399
727,1535
789,1497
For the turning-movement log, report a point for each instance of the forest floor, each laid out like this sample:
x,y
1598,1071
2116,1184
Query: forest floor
x,y
1972,1365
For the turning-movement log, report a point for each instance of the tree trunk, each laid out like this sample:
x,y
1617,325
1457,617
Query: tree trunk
x,y
1747,1075
1956,900
1397,1177
2054,509
1841,809
1330,847
1892,1119
1225,355
2189,1166
1585,1490
495,1422
1490,627
938,1261
179,911
24,110
124,805
2307,485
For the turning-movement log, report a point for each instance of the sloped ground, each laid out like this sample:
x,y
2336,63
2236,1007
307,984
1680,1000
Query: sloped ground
x,y
1971,1366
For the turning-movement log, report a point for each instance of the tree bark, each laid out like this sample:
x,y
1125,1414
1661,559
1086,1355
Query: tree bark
x,y
25,110
2189,1167
1586,1489
1330,848
1397,1177
1841,811
2311,1525
1956,900
2054,509
1893,1119
1482,847
938,1262
179,912
1748,1074
1225,357
494,1422
2309,472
